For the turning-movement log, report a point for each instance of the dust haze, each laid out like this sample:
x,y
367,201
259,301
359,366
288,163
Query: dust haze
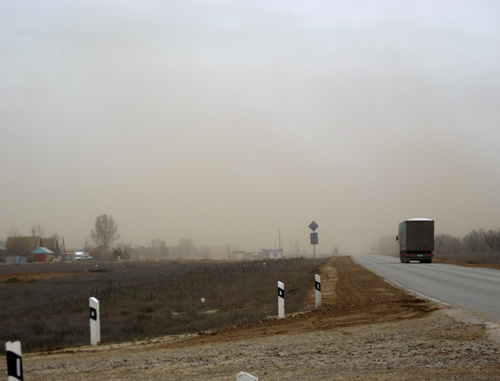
x,y
239,123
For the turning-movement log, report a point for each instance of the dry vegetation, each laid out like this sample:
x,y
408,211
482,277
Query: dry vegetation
x,y
46,305
366,329
491,260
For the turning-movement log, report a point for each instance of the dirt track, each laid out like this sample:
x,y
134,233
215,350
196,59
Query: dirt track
x,y
366,329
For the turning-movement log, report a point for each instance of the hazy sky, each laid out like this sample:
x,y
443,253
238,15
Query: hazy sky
x,y
229,121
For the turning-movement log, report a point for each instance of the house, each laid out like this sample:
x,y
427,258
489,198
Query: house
x,y
52,244
237,255
42,254
67,257
22,246
256,256
3,254
272,254
25,246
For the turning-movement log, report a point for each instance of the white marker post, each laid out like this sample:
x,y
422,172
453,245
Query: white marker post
x,y
242,376
317,286
281,300
95,322
14,360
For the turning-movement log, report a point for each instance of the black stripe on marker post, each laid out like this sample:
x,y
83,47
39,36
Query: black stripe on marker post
x,y
281,292
13,359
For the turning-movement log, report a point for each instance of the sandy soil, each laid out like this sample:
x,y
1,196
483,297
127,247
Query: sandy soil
x,y
366,329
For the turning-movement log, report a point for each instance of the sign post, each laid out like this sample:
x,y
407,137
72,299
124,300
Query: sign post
x,y
314,237
95,322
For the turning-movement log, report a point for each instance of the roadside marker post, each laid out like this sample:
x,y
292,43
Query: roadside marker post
x,y
95,322
14,360
281,300
317,291
242,376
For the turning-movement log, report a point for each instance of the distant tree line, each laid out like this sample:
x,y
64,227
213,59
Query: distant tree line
x,y
477,241
102,244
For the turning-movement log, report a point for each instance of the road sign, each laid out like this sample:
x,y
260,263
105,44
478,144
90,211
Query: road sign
x,y
314,238
313,226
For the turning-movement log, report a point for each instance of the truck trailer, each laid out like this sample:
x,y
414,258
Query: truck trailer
x,y
416,240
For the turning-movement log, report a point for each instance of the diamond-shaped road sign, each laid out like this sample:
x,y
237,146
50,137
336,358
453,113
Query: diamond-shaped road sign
x,y
313,226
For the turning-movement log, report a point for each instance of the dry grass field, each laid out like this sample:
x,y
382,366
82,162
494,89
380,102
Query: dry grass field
x,y
45,306
366,329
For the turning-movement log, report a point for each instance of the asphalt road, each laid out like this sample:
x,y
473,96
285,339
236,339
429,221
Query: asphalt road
x,y
473,289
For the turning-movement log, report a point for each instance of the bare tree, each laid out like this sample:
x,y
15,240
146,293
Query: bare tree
x,y
37,230
473,241
14,232
447,244
187,248
106,231
497,235
159,249
490,238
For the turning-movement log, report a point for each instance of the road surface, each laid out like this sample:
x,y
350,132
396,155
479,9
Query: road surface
x,y
473,289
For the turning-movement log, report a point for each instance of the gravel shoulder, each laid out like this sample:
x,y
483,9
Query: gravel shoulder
x,y
366,329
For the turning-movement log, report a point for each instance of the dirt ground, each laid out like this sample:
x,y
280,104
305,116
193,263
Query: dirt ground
x,y
31,277
365,329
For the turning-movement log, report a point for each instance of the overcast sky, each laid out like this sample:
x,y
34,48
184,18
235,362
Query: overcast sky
x,y
230,121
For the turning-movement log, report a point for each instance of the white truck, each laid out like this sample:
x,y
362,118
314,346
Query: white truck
x,y
82,256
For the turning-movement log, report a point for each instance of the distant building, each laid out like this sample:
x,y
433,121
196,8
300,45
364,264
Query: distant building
x,y
22,246
42,254
105,253
25,247
238,255
272,254
256,256
67,257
